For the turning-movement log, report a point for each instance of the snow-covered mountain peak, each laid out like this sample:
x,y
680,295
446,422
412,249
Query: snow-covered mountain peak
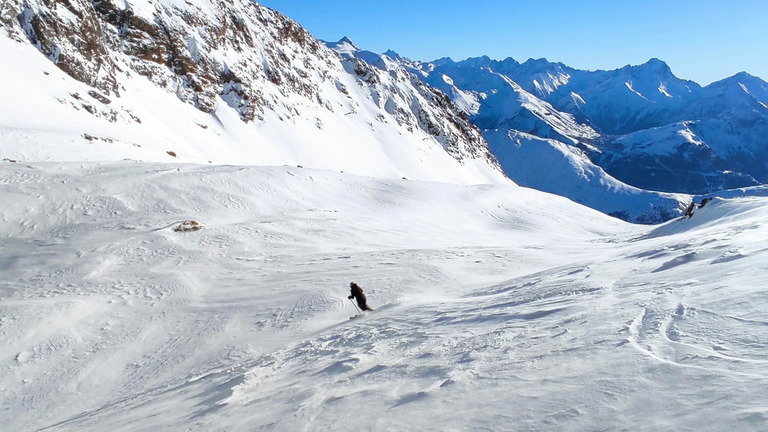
x,y
348,41
655,81
742,83
441,61
741,77
744,75
540,63
393,55
507,63
538,76
654,65
262,90
343,45
477,62
348,50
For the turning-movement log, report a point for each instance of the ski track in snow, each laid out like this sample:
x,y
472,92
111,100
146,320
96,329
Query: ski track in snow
x,y
496,308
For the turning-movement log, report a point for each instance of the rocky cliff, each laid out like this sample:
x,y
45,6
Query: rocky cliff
x,y
258,62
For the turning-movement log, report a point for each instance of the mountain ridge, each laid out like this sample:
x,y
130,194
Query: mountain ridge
x,y
267,92
728,118
518,125
298,102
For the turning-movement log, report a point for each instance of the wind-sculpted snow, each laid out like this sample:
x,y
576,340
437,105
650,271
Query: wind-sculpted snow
x,y
497,307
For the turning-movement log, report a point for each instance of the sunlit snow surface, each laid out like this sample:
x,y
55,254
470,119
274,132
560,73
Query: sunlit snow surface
x,y
497,307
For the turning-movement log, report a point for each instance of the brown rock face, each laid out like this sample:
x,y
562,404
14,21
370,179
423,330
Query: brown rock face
x,y
75,45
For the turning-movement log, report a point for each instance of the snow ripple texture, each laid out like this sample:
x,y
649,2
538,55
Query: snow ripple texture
x,y
497,307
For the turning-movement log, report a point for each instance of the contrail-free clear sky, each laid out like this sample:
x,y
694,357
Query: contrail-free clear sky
x,y
701,40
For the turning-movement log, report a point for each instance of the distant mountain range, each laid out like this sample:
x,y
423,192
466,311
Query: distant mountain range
x,y
217,81
641,124
603,138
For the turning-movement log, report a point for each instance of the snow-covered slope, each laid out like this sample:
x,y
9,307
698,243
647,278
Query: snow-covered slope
x,y
641,124
225,82
502,103
528,136
672,158
233,82
614,102
734,123
205,288
552,166
497,307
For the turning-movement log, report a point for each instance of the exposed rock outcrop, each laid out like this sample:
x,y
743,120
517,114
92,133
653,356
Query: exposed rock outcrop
x,y
253,59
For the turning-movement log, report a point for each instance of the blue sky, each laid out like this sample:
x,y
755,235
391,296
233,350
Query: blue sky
x,y
703,40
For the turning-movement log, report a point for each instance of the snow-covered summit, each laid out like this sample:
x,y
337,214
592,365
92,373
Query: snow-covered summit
x,y
653,65
741,88
603,111
344,45
392,54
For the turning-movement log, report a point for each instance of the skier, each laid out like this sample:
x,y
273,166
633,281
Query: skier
x,y
357,293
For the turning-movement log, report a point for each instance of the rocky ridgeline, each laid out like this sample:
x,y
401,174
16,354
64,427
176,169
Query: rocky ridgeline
x,y
70,33
255,59
414,104
641,124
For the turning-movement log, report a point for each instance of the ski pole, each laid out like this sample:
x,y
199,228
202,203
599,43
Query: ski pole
x,y
353,304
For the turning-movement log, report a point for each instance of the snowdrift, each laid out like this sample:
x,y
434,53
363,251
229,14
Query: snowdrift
x,y
497,307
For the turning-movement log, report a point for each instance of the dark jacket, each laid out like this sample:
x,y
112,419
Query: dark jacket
x,y
357,293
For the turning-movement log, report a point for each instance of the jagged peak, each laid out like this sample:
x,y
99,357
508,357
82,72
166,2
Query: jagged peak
x,y
744,76
741,77
347,40
482,61
443,61
482,58
542,60
344,44
656,62
392,54
507,64
655,65
541,64
510,60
